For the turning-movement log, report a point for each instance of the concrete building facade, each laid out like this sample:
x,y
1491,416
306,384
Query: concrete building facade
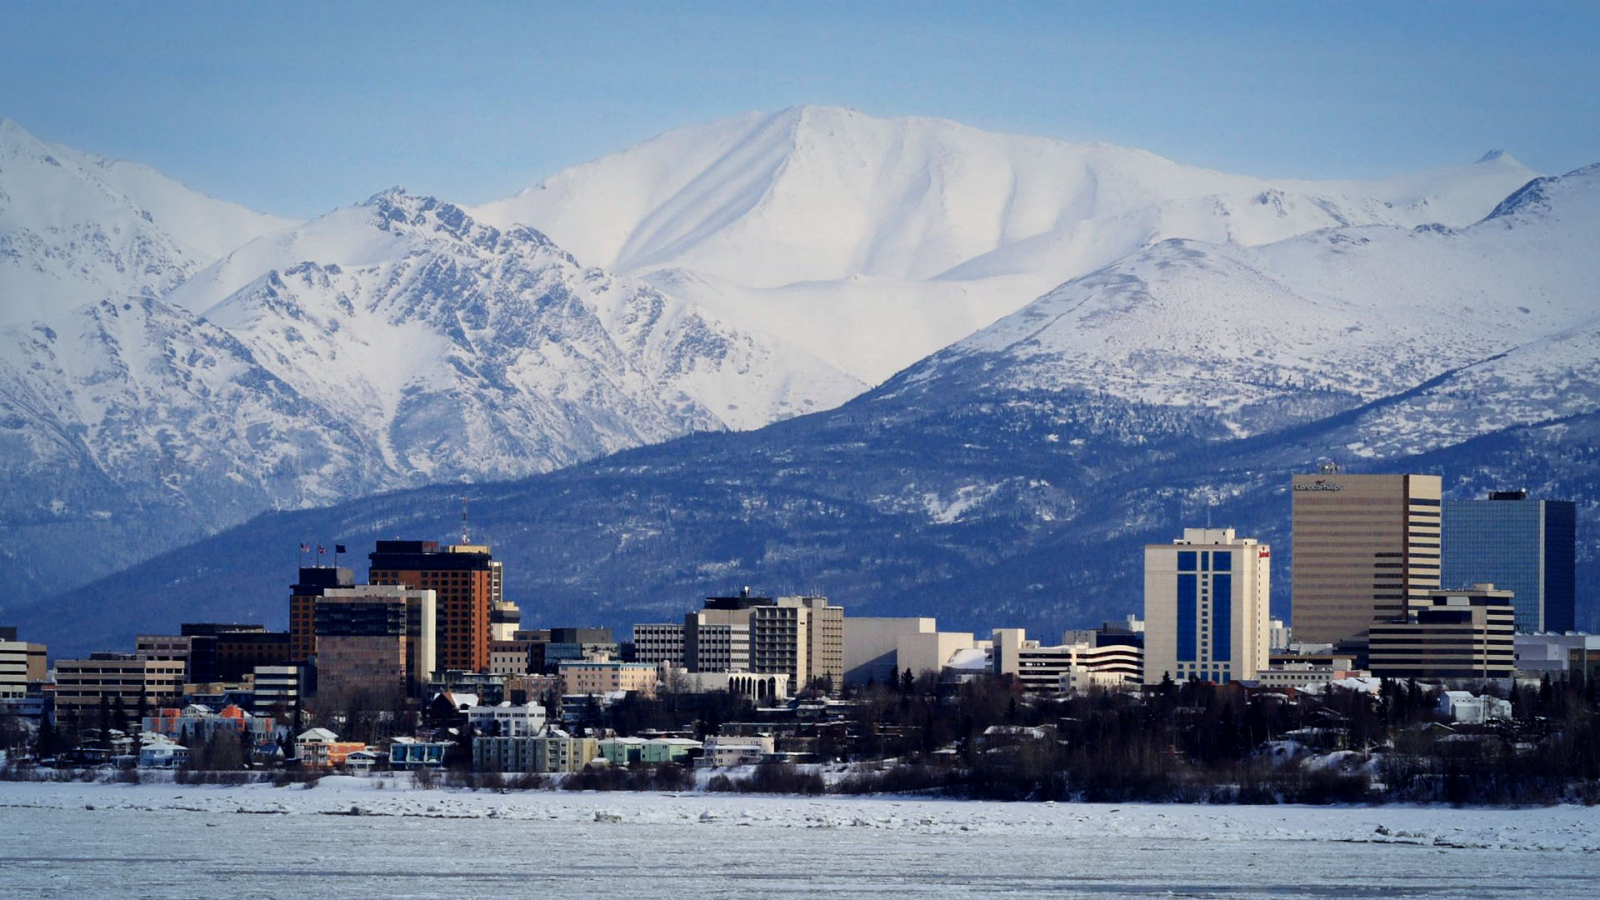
x,y
661,643
80,683
21,664
1044,669
872,647
605,676
1206,607
1366,547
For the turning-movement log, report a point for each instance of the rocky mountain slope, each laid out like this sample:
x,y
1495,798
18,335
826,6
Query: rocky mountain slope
x,y
151,393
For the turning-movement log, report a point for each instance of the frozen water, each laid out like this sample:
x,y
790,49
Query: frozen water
x,y
178,841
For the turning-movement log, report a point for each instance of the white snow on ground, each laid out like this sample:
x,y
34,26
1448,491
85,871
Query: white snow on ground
x,y
1573,829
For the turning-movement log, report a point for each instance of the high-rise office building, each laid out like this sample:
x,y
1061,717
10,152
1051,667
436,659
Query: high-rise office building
x,y
1524,546
374,638
467,581
1206,599
802,637
302,607
1366,547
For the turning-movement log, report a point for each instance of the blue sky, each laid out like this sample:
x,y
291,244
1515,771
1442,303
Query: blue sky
x,y
299,109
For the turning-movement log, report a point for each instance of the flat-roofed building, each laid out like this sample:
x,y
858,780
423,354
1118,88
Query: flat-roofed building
x,y
660,643
21,664
1366,547
80,683
513,657
276,687
581,676
1206,598
303,596
802,637
1460,634
1558,655
872,644
374,638
1528,547
1044,669
468,584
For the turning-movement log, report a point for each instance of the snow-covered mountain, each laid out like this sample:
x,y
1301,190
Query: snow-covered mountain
x,y
471,352
76,228
1505,308
835,229
152,392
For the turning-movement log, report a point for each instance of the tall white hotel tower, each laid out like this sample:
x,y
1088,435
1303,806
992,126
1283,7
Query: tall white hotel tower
x,y
1206,600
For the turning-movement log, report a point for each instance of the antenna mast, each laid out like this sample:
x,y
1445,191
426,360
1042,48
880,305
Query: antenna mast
x,y
464,539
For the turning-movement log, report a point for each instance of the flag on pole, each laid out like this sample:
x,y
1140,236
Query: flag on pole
x,y
305,548
339,548
321,549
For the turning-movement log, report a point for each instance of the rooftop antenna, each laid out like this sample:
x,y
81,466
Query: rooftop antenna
x,y
464,520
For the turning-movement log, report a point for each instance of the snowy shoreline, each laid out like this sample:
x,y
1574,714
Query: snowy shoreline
x,y
1566,829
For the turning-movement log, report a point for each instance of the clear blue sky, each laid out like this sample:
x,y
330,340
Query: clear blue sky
x,y
299,109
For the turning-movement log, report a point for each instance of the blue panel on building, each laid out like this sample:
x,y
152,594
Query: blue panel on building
x,y
1222,617
1187,601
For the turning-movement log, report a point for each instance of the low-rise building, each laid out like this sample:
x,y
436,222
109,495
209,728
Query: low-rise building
x,y
762,690
80,683
506,720
1557,655
198,723
736,750
606,676
276,687
1460,634
1470,709
157,752
319,748
21,664
1303,675
409,753
553,750
623,751
1042,669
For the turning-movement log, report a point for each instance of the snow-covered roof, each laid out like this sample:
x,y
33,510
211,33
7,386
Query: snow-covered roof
x,y
321,735
970,660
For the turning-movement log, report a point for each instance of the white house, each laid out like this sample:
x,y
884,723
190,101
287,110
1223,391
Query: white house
x,y
1467,709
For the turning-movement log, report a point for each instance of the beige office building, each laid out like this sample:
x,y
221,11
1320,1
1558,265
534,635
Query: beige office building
x,y
21,664
1206,599
80,683
1366,547
1469,633
802,637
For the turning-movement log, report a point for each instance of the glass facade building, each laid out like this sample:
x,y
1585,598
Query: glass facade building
x,y
1524,546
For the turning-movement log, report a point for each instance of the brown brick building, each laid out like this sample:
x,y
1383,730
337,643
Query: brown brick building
x,y
467,583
